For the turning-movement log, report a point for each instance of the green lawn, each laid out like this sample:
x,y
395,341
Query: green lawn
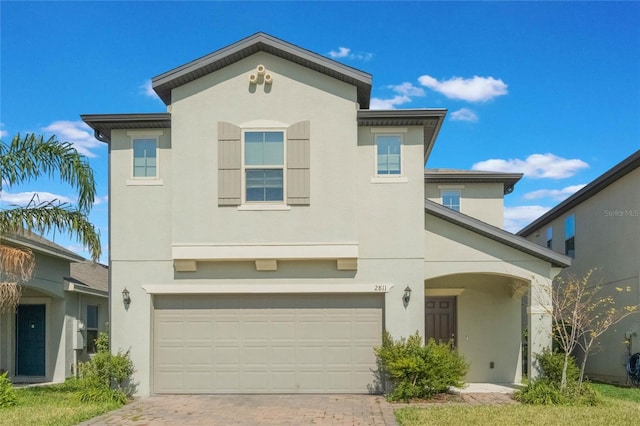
x,y
620,407
51,405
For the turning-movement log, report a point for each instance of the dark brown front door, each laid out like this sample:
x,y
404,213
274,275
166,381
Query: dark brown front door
x,y
440,319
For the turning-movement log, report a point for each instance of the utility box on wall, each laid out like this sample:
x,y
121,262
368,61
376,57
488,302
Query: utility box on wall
x,y
78,335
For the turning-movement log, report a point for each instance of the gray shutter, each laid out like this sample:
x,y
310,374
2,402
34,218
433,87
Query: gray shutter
x,y
298,178
229,165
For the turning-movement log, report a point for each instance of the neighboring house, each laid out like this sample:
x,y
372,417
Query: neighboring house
x,y
62,309
269,227
599,227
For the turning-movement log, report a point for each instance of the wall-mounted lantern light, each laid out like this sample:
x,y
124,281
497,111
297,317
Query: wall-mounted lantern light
x,y
407,295
126,298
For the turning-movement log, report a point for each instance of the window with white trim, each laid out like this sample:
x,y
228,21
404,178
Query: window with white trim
x,y
451,199
388,154
145,157
264,166
570,236
92,328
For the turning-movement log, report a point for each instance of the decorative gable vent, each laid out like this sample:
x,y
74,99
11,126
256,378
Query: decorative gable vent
x,y
260,76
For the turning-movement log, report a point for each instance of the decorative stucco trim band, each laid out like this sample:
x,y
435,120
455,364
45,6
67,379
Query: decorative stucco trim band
x,y
264,288
253,252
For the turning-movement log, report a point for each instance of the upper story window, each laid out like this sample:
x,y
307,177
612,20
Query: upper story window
x,y
92,328
549,237
451,199
264,166
145,150
145,153
570,236
388,155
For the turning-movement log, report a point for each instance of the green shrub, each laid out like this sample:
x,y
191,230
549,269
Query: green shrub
x,y
551,364
415,370
106,377
546,389
8,396
540,392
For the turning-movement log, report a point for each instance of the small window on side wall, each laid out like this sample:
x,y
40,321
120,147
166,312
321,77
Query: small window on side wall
x,y
92,328
451,199
388,155
570,236
145,163
550,237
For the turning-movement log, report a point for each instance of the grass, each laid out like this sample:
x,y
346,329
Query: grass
x,y
620,407
51,405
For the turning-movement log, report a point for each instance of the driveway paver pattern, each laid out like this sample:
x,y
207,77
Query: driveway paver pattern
x,y
252,410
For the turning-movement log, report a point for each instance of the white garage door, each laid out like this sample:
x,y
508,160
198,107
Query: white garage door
x,y
265,343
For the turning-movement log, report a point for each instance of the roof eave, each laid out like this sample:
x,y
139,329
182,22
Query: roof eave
x,y
617,172
50,251
431,119
165,82
102,124
497,234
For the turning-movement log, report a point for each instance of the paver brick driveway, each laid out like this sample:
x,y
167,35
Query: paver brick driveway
x,y
252,410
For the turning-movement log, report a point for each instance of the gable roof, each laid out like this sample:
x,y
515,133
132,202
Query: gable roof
x,y
164,83
41,245
612,175
496,234
509,180
89,275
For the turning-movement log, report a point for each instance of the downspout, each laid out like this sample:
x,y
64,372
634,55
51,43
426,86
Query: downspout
x,y
100,136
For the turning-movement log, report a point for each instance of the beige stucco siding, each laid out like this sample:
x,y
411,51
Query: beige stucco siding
x,y
484,201
140,209
297,94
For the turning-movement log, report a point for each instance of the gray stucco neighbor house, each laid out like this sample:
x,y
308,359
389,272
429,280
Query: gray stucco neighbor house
x,y
269,226
599,226
62,309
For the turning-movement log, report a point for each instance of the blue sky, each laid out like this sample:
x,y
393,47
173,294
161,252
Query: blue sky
x,y
550,89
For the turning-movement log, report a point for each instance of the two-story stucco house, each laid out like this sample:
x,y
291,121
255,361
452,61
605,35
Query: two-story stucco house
x,y
599,227
62,309
269,227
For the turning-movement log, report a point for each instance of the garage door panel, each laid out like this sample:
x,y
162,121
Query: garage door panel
x,y
265,343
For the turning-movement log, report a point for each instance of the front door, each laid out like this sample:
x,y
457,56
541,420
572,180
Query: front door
x,y
30,340
440,319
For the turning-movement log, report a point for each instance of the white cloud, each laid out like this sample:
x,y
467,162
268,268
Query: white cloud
x,y
3,132
345,52
556,194
535,166
404,93
24,198
342,52
100,200
377,103
516,218
476,89
147,90
78,134
464,114
408,89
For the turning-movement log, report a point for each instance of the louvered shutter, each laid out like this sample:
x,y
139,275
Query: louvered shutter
x,y
298,153
229,165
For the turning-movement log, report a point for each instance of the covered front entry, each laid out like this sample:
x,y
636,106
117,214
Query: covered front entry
x,y
440,319
30,340
275,343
